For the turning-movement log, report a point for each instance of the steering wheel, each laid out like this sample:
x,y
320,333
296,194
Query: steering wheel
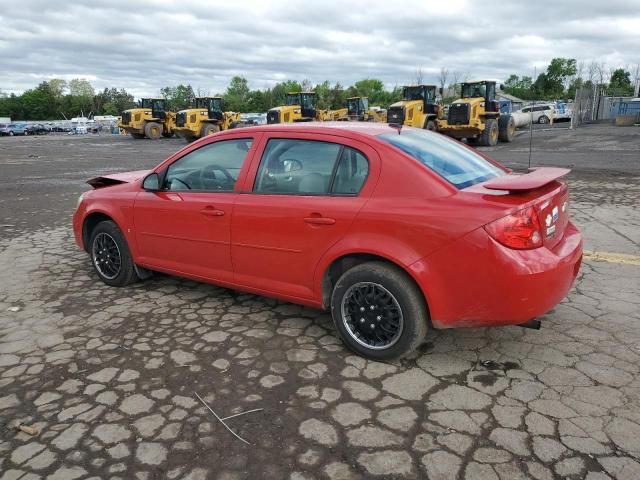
x,y
176,179
211,169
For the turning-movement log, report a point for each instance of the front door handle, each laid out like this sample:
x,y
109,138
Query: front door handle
x,y
212,212
320,220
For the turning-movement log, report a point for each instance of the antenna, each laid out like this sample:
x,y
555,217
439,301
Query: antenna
x,y
531,124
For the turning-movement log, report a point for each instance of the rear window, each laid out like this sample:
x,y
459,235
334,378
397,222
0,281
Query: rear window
x,y
458,165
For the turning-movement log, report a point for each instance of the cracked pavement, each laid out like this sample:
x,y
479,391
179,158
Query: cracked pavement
x,y
109,375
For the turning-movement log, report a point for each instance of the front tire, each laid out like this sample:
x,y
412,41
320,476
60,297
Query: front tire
x,y
153,130
489,136
209,129
379,311
543,120
431,126
111,256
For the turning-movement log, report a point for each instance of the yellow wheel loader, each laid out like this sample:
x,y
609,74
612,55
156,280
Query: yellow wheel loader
x,y
476,116
359,111
418,108
301,107
151,120
205,118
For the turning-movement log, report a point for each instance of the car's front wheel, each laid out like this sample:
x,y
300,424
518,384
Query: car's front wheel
x,y
111,256
379,311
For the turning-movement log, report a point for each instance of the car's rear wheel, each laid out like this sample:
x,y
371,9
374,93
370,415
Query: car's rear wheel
x,y
543,120
111,256
379,311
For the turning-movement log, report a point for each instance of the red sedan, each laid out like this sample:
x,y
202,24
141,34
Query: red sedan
x,y
394,230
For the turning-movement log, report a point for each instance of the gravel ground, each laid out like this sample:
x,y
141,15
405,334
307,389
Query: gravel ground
x,y
109,376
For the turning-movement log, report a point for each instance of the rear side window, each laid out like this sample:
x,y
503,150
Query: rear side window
x,y
309,167
458,165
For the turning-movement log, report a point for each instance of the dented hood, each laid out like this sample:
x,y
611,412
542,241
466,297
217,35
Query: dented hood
x,y
116,178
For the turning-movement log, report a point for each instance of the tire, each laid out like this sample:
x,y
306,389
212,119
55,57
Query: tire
x,y
110,255
543,120
234,125
431,125
489,136
506,128
11,134
396,294
209,129
153,130
137,136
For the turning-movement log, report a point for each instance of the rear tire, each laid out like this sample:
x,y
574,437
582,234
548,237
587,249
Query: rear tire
x,y
209,129
489,136
110,255
507,128
431,126
379,311
543,120
153,130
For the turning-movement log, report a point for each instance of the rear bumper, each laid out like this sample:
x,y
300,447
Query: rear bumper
x,y
477,282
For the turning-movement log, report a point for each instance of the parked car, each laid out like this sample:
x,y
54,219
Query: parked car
x,y
4,129
394,230
16,129
540,113
36,129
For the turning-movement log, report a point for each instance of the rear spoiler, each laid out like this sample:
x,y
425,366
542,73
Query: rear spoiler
x,y
536,178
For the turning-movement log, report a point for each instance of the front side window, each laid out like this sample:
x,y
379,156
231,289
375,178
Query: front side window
x,y
309,167
458,165
212,168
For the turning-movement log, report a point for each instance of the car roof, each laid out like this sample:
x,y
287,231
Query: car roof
x,y
354,129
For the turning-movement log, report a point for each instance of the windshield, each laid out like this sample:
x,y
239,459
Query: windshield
x,y
293,99
458,165
158,105
474,90
418,93
146,103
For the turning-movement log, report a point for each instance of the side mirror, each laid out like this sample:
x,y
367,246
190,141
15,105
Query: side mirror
x,y
151,182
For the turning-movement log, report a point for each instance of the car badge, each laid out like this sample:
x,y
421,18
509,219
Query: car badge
x,y
548,220
554,212
551,230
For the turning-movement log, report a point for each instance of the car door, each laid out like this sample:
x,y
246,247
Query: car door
x,y
305,194
185,227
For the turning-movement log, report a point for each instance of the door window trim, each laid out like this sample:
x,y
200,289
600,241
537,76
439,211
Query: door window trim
x,y
331,179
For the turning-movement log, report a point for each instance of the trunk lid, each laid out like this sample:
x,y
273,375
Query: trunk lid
x,y
540,189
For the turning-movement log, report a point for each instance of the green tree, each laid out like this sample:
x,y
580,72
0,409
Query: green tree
x,y
620,83
178,97
237,94
81,92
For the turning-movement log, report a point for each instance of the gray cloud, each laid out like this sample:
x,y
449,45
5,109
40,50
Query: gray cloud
x,y
144,45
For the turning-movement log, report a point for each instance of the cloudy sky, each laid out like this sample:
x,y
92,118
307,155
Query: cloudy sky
x,y
147,44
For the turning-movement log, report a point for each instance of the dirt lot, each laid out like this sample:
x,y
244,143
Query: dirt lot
x,y
109,376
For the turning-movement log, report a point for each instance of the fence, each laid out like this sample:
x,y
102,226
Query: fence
x,y
591,104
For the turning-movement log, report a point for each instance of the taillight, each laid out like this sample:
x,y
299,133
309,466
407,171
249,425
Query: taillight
x,y
520,230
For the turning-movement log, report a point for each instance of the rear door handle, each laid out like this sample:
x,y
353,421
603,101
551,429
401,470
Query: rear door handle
x,y
212,212
320,220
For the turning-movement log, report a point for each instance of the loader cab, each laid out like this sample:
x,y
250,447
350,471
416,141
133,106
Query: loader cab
x,y
424,93
306,100
357,107
157,106
213,106
483,89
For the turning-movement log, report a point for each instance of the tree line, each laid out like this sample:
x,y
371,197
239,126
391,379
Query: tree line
x,y
564,76
57,98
